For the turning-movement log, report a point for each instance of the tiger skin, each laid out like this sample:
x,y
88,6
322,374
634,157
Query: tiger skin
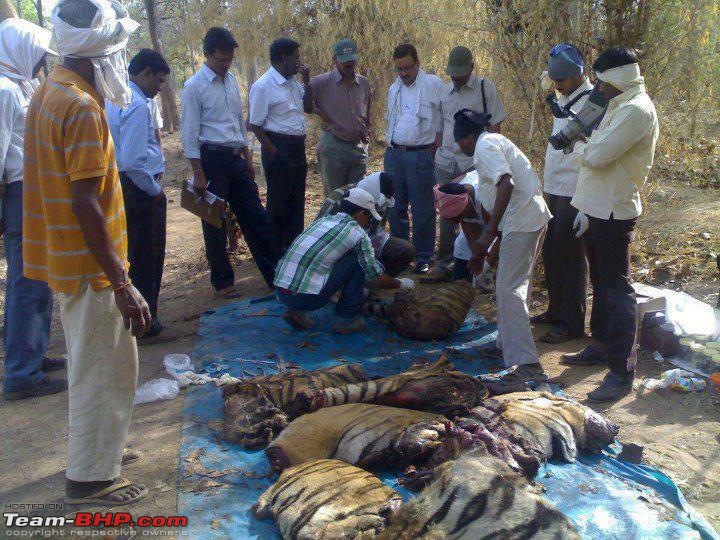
x,y
438,388
358,433
427,313
257,409
327,499
476,497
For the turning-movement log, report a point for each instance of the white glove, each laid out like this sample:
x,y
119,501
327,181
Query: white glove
x,y
406,283
580,224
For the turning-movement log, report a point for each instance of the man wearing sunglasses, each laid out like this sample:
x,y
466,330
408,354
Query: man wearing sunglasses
x,y
413,120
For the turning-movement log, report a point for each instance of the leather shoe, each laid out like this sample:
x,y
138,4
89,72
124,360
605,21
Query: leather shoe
x,y
542,318
43,388
612,388
53,364
422,268
589,356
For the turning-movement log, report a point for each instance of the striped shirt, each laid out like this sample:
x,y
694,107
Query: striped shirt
x,y
306,266
67,139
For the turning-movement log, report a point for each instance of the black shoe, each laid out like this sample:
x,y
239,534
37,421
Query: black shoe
x,y
514,379
53,364
589,356
612,388
542,318
43,388
422,268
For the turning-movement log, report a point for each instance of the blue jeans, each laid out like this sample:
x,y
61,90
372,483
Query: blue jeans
x,y
28,305
413,177
347,275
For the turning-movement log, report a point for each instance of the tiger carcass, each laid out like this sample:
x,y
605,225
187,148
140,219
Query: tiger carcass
x,y
358,433
428,313
478,496
327,499
438,388
256,410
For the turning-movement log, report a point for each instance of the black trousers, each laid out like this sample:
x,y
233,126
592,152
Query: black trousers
x,y
228,178
146,224
285,174
566,268
613,317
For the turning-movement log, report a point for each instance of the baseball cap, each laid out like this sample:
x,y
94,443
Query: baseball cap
x,y
363,199
459,62
345,50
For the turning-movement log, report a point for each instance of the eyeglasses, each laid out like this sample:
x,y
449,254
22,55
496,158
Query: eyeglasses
x,y
405,69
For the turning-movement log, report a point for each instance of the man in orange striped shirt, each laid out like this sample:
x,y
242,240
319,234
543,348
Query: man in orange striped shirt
x,y
75,240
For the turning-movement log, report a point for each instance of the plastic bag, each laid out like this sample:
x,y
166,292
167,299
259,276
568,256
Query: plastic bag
x,y
155,390
177,364
677,379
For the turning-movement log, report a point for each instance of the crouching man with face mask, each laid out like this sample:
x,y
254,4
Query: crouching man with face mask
x,y
520,214
614,164
334,254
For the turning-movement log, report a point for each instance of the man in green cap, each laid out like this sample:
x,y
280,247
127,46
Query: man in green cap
x,y
342,101
465,91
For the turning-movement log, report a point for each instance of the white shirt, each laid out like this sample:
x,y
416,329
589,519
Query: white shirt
x,y
155,113
276,104
211,112
561,169
13,110
413,115
617,158
496,156
451,100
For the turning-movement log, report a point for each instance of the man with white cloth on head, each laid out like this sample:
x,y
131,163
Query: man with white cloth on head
x,y
614,164
75,239
28,302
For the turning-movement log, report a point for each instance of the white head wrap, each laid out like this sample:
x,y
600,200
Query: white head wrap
x,y
22,46
622,77
371,184
103,43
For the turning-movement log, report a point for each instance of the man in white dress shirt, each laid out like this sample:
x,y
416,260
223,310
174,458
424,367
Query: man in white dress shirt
x,y
413,120
215,141
563,251
614,164
278,103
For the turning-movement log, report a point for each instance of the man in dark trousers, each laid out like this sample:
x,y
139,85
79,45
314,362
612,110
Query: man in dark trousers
x,y
141,164
214,138
563,250
278,103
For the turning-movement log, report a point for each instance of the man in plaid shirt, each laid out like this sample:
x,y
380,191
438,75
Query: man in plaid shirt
x,y
333,254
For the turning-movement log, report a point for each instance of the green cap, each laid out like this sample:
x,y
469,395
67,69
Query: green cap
x,y
345,50
459,62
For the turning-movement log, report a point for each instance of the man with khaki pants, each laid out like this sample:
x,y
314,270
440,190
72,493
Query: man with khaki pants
x,y
75,240
342,100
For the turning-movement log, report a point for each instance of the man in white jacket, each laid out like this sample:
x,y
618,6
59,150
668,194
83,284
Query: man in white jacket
x,y
413,120
614,164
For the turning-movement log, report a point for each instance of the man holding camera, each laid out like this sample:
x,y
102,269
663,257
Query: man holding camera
x,y
614,164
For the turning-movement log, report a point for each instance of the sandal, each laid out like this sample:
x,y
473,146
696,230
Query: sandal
x,y
131,456
557,334
119,486
228,293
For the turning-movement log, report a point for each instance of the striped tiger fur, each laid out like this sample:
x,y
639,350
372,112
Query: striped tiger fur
x,y
358,433
560,426
438,388
477,497
327,499
257,409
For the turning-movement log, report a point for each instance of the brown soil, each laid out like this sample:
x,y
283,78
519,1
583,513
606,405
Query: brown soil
x,y
680,433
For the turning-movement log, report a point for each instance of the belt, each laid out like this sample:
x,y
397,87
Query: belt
x,y
404,148
299,138
209,147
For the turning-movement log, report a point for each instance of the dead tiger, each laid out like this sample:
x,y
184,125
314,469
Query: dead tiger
x,y
427,313
358,433
478,496
438,388
327,499
256,410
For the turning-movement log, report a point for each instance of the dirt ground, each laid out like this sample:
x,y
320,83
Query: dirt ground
x,y
680,432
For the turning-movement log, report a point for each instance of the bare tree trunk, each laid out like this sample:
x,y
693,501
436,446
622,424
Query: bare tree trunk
x,y
7,10
171,119
39,10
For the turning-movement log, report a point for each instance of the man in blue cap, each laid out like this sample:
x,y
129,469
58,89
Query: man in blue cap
x,y
341,98
566,270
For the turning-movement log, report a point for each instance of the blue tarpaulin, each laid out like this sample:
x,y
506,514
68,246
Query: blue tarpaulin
x,y
604,497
